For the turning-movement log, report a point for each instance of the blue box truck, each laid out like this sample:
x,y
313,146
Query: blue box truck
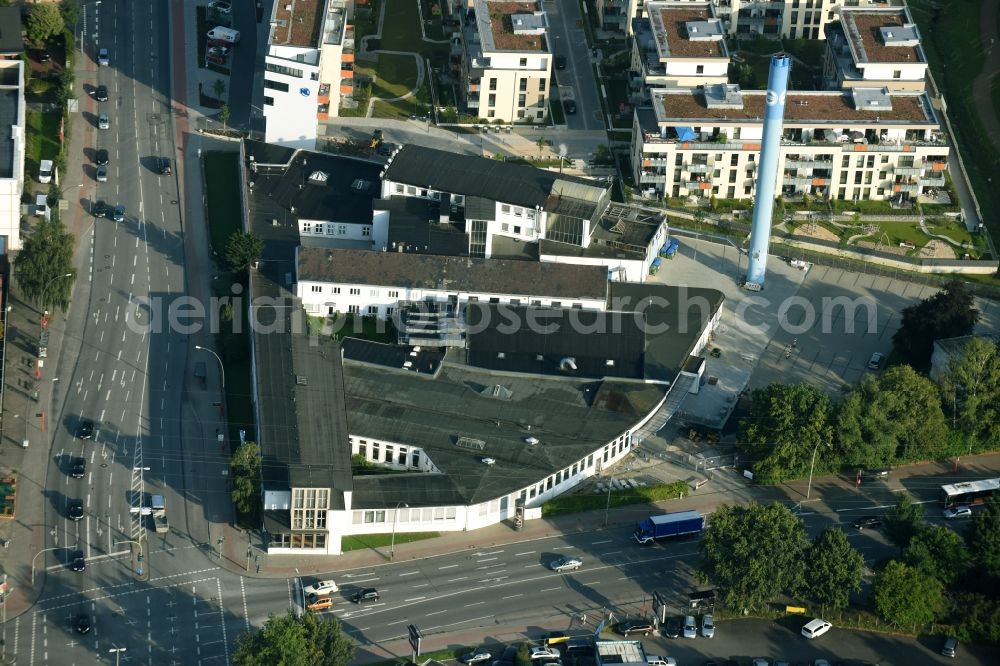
x,y
668,525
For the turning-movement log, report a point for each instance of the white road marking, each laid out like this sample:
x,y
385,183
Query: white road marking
x,y
414,599
530,552
454,580
450,566
597,543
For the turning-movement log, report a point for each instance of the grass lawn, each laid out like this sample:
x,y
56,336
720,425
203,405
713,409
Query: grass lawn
x,y
43,137
383,540
401,30
352,326
640,495
901,232
222,188
953,230
394,75
951,41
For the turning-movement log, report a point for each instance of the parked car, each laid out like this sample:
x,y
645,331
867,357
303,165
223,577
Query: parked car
x,y
82,623
635,627
321,588
543,653
101,93
43,56
953,512
101,156
708,626
86,428
103,57
657,660
102,174
99,209
569,106
690,627
477,656
866,522
367,594
560,62
219,51
74,510
672,628
118,214
78,467
163,166
950,646
103,122
220,6
566,564
77,561
815,628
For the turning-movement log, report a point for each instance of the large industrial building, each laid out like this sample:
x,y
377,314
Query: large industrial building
x,y
12,164
506,61
308,69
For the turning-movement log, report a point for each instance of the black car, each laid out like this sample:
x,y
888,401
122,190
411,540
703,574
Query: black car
x,y
672,629
367,594
101,157
101,93
44,56
99,209
77,561
82,623
570,106
86,430
78,467
74,511
163,166
866,522
560,62
509,654
635,627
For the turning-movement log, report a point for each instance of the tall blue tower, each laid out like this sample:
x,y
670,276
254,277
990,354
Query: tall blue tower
x,y
767,170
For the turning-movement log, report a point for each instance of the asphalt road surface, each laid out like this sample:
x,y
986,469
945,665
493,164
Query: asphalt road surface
x,y
566,28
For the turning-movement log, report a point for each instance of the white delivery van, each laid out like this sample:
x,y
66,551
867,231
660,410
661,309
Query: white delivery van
x,y
224,34
45,171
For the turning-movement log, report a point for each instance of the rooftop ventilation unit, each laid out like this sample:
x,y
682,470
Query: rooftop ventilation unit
x,y
318,177
568,364
531,440
470,443
497,391
300,380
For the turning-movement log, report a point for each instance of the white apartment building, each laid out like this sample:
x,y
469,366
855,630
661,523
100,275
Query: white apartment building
x,y
864,143
875,48
12,170
506,61
334,280
679,44
308,69
616,15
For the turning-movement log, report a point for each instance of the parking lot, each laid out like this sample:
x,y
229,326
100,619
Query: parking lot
x,y
819,325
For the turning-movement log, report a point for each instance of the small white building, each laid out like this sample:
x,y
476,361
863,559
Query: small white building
x,y
875,48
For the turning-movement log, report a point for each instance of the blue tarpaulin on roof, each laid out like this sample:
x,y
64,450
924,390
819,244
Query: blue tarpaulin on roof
x,y
684,133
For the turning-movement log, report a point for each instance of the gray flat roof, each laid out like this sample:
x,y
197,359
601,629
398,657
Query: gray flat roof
x,y
470,175
300,395
457,274
11,40
9,99
414,225
570,419
309,185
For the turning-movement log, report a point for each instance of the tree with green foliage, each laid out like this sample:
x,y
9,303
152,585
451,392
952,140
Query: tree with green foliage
x,y
43,22
523,656
906,597
753,553
70,12
980,618
246,464
46,256
243,250
938,552
288,640
219,88
970,390
224,116
834,571
892,417
982,537
786,423
904,521
947,314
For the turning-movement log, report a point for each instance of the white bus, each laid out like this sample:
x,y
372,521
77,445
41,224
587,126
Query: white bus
x,y
968,492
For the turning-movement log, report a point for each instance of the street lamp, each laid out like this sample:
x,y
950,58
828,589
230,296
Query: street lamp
x,y
811,466
222,368
139,545
44,550
46,289
395,517
118,654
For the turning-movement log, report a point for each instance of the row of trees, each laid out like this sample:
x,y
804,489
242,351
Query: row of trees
x,y
756,553
888,418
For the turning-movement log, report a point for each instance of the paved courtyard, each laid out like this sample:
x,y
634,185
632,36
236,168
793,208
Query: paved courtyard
x,y
818,326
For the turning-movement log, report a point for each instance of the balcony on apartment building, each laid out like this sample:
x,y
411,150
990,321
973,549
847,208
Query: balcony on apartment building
x,y
809,163
323,96
908,185
698,184
474,85
473,100
656,176
323,111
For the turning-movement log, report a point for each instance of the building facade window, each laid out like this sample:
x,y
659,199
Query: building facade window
x,y
275,85
492,100
309,508
280,69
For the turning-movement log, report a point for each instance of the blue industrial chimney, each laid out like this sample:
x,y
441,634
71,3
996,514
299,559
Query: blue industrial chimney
x,y
767,171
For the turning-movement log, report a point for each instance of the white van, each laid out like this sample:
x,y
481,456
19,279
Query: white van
x,y
816,628
224,34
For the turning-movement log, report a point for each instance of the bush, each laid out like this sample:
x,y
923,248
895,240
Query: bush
x,y
595,501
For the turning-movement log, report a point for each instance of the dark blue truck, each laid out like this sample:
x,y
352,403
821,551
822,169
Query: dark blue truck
x,y
667,525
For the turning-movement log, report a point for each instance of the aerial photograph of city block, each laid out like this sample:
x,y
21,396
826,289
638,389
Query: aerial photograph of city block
x,y
500,332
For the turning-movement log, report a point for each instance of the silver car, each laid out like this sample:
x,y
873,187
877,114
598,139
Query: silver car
x,y
566,564
690,627
708,626
103,122
102,174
